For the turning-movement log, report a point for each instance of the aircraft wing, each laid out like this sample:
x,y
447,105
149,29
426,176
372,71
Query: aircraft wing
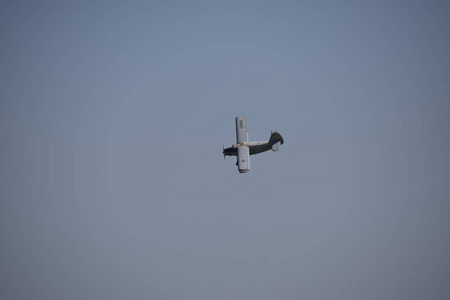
x,y
241,130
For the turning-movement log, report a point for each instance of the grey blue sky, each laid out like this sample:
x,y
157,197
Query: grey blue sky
x,y
112,119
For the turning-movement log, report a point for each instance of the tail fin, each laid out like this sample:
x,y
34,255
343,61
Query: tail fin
x,y
275,140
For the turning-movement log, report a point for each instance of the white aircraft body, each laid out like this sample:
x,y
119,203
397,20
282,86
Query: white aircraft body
x,y
243,148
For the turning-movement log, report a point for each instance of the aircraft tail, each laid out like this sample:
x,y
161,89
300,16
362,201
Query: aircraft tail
x,y
276,140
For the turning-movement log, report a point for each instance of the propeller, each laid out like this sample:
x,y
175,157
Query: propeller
x,y
223,151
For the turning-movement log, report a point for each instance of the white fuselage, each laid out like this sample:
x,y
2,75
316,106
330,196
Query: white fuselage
x,y
250,144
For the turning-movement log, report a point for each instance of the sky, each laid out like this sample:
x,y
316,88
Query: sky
x,y
113,115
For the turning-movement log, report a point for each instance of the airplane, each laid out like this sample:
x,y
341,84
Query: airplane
x,y
243,148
